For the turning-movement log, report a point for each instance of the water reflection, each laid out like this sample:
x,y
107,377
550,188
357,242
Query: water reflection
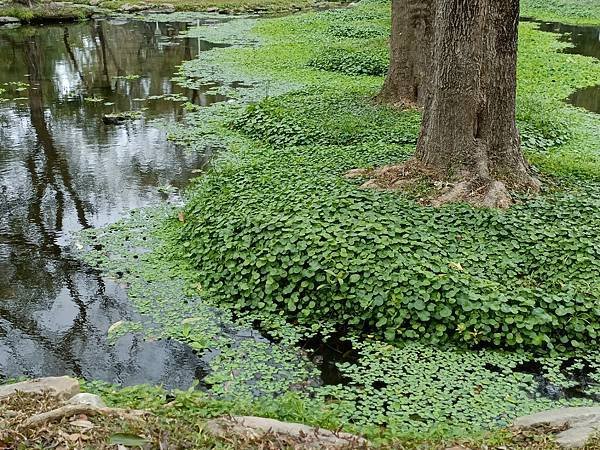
x,y
62,169
586,41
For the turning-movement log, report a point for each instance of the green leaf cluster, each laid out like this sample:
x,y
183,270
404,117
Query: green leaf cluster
x,y
352,62
275,227
279,229
335,119
420,387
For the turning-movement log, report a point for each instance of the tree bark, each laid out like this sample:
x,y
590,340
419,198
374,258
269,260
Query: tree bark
x,y
469,132
28,3
410,52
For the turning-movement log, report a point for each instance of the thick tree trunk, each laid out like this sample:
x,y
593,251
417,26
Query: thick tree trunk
x,y
469,132
28,3
410,50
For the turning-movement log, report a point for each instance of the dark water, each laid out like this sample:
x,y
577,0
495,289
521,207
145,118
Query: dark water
x,y
586,41
62,170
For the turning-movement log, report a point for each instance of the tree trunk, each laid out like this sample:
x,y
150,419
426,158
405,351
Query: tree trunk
x,y
469,133
28,3
410,50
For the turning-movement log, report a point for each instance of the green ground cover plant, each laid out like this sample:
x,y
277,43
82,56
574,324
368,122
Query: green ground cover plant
x,y
293,235
459,318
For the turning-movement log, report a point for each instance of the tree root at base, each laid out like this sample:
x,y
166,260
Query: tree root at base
x,y
471,188
72,410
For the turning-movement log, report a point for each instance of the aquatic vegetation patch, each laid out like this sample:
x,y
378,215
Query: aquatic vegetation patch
x,y
231,32
274,235
129,77
168,97
274,230
135,252
93,99
12,90
420,387
281,63
120,117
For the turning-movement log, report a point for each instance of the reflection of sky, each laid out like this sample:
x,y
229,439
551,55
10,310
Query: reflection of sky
x,y
64,80
115,169
58,161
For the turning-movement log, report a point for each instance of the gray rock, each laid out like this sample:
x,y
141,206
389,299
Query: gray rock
x,y
94,2
62,387
129,8
166,8
5,20
305,437
583,423
87,399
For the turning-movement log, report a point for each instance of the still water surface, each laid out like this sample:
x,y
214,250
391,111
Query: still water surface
x,y
62,169
585,41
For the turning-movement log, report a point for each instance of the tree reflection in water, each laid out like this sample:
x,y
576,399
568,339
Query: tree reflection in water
x,y
62,170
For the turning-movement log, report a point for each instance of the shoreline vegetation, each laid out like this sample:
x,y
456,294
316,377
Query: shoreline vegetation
x,y
584,12
47,12
453,321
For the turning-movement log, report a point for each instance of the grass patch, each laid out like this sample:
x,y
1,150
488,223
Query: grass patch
x,y
580,12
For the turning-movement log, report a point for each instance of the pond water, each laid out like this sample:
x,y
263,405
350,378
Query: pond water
x,y
62,170
585,41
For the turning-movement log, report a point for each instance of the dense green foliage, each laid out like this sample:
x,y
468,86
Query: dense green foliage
x,y
283,231
274,229
276,235
352,62
325,118
136,252
249,376
279,229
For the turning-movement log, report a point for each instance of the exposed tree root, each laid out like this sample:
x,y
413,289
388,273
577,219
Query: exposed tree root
x,y
395,101
490,194
72,410
474,189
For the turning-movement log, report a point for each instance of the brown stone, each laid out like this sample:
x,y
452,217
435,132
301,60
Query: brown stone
x,y
62,387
